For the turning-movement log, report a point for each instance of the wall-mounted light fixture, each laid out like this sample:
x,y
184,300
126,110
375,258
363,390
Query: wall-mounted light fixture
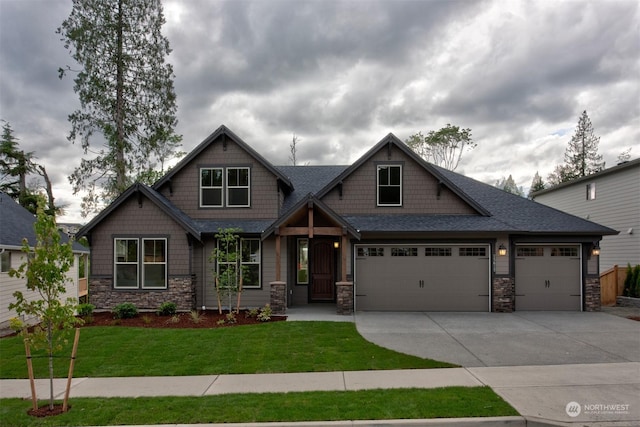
x,y
502,250
336,245
595,251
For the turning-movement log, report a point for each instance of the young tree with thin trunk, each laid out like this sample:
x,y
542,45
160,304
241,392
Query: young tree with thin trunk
x,y
126,95
47,262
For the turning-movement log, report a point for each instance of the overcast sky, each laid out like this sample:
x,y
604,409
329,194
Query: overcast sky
x,y
342,74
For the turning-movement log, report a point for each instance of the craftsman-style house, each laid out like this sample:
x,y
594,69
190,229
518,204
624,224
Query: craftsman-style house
x,y
389,232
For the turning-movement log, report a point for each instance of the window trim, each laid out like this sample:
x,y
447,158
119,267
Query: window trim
x,y
145,263
591,191
228,187
5,260
212,187
140,263
242,262
300,261
379,167
225,188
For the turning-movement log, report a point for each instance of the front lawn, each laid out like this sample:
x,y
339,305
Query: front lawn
x,y
450,402
272,347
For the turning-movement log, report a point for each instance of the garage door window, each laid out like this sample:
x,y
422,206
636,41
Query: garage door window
x,y
473,252
526,251
570,251
404,251
370,252
437,251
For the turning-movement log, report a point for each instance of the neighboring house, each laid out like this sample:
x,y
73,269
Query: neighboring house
x,y
16,224
610,197
389,232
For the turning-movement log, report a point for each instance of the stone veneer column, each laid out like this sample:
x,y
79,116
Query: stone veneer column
x,y
592,294
344,303
278,297
502,295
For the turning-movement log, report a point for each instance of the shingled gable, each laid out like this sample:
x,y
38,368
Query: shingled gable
x,y
156,198
386,143
311,201
219,135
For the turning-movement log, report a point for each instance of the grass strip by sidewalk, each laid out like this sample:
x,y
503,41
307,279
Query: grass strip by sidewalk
x,y
448,402
268,348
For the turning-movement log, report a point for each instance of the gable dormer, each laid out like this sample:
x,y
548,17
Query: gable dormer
x,y
391,179
224,177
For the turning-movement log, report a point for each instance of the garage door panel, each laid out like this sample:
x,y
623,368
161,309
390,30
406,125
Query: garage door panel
x,y
548,278
418,282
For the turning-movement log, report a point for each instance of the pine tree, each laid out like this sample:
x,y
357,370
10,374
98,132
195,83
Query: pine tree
x,y
581,156
126,95
510,186
537,184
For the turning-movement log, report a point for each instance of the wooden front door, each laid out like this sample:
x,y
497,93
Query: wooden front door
x,y
322,271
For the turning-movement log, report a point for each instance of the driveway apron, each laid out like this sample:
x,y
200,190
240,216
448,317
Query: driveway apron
x,y
506,339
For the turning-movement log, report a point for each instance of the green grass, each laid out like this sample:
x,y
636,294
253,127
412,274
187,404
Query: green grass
x,y
450,402
267,348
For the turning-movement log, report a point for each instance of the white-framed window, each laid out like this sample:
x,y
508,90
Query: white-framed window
x,y
591,191
140,263
389,185
248,262
126,264
238,187
5,261
154,263
225,187
303,262
211,183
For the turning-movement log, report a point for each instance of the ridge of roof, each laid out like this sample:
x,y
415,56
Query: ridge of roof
x,y
17,224
158,199
391,139
222,131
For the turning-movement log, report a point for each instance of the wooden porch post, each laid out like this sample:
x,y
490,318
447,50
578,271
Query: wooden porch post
x,y
343,253
278,276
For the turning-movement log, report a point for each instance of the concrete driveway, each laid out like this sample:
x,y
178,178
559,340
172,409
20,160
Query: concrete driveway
x,y
506,339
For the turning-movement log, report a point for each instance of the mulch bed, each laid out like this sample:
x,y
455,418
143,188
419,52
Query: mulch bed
x,y
44,411
206,319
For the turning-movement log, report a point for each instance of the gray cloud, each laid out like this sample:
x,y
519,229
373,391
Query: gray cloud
x,y
342,74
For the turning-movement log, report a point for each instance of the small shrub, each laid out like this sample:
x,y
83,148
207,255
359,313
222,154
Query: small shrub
x,y
252,313
231,318
147,319
116,322
126,310
85,310
196,317
220,322
88,319
265,313
173,319
628,280
167,309
636,282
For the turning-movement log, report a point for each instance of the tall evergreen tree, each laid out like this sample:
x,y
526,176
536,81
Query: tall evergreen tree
x,y
581,156
537,184
510,186
126,95
15,165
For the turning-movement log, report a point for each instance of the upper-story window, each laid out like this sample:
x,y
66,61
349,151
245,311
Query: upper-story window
x,y
220,187
591,191
389,185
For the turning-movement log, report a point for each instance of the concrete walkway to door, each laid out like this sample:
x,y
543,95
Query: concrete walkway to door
x,y
506,339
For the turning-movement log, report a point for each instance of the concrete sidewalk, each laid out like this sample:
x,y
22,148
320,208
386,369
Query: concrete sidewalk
x,y
604,394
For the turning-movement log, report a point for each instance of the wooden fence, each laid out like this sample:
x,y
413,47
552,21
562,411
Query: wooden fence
x,y
612,284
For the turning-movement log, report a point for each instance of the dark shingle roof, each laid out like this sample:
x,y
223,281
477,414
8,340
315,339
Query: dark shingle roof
x,y
16,223
307,179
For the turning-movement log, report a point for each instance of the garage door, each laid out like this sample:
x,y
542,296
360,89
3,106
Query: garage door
x,y
548,277
422,277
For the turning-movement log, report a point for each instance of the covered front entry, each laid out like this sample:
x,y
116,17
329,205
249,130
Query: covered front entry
x,y
438,277
548,277
322,270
